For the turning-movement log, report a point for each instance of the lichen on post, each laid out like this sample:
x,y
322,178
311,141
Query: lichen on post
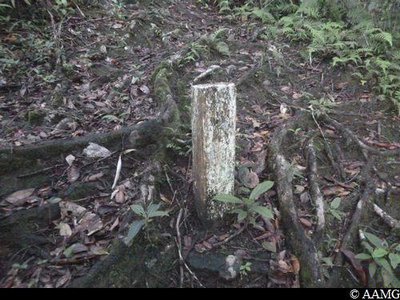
x,y
213,135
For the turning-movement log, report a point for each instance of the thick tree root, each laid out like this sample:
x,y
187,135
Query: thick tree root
x,y
302,245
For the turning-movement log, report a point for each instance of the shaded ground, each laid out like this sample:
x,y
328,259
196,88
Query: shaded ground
x,y
110,78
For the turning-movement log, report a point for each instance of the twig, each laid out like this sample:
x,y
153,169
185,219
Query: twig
x,y
231,237
315,191
82,14
178,241
39,171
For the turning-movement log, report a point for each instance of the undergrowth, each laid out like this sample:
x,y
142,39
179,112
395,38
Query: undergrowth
x,y
346,34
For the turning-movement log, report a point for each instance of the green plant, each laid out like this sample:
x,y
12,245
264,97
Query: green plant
x,y
321,106
247,209
147,215
245,269
383,258
334,209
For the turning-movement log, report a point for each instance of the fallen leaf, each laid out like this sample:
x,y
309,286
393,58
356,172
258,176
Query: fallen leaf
x,y
94,177
20,197
269,246
73,174
117,26
248,178
70,209
89,224
96,151
207,245
98,250
305,222
145,89
70,159
63,279
295,264
296,96
356,265
120,195
335,191
115,224
284,267
286,89
65,229
103,49
298,189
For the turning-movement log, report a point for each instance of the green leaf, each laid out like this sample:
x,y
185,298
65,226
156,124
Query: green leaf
x,y
241,214
372,269
139,210
69,251
394,260
222,48
378,253
158,213
328,261
263,211
248,202
152,208
336,203
269,246
261,189
363,256
384,264
226,198
336,214
377,242
133,231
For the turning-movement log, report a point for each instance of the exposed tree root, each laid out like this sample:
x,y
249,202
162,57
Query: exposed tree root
x,y
315,191
388,219
352,136
301,244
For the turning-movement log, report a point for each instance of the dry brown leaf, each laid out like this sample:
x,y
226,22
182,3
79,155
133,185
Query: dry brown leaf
x,y
94,177
73,174
71,209
295,264
298,189
63,279
305,222
89,224
165,199
120,197
145,89
20,197
207,245
296,96
284,267
115,224
65,229
70,159
251,180
98,250
286,89
356,265
333,190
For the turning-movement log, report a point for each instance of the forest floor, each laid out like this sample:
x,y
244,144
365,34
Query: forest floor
x,y
96,73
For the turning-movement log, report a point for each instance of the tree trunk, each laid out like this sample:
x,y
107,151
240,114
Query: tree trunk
x,y
213,130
